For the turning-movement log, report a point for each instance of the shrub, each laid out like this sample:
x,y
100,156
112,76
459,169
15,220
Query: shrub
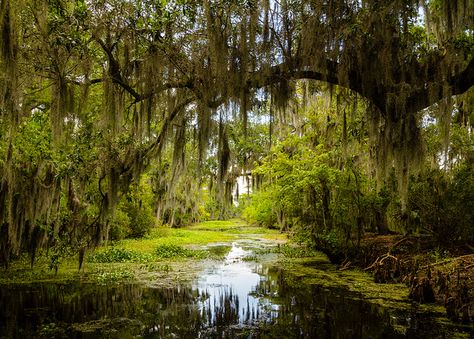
x,y
141,219
119,225
442,204
259,210
134,217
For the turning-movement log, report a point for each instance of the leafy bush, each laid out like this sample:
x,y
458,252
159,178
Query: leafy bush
x,y
259,210
134,217
461,202
119,225
141,220
441,204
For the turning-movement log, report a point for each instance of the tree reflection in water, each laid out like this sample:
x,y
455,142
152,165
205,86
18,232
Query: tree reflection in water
x,y
230,287
234,299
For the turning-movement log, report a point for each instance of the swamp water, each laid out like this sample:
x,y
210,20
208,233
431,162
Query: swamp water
x,y
234,298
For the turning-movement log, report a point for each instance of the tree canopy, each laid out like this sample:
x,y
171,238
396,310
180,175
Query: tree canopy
x,y
93,92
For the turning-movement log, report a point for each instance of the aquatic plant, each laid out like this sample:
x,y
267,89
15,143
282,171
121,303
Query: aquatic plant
x,y
166,251
114,277
117,254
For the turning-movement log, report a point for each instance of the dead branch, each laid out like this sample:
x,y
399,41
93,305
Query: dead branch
x,y
380,260
398,243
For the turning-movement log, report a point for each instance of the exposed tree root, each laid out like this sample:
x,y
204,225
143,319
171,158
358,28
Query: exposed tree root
x,y
449,282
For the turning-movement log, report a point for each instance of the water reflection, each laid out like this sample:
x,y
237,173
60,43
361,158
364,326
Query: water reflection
x,y
233,299
230,288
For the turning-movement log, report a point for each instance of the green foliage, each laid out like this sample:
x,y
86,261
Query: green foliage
x,y
321,185
291,251
141,219
171,251
167,251
118,254
260,210
33,143
308,189
93,94
119,225
177,194
52,330
317,183
251,146
117,276
442,205
438,254
461,202
134,216
62,250
328,240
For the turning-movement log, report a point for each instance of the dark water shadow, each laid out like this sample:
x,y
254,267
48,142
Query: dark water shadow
x,y
233,299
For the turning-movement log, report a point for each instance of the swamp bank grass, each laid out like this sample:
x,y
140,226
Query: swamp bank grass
x,y
167,254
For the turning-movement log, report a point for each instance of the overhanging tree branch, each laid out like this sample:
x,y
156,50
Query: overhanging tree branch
x,y
436,91
157,145
427,94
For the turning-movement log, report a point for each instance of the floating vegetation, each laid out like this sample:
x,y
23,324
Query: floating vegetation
x,y
293,251
117,254
168,251
114,277
218,251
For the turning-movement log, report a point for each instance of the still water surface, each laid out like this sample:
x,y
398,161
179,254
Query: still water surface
x,y
233,298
